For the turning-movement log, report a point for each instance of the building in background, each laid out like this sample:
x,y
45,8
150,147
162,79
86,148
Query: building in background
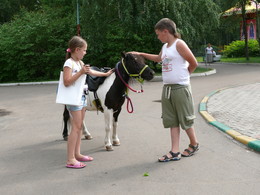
x,y
252,12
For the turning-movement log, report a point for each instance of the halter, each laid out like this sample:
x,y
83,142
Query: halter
x,y
139,79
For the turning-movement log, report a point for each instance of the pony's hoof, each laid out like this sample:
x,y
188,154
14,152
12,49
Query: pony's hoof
x,y
65,138
88,137
109,148
116,143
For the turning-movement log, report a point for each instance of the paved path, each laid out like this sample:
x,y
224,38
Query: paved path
x,y
236,111
239,108
33,154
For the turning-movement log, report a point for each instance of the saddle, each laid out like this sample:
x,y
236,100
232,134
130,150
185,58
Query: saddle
x,y
94,82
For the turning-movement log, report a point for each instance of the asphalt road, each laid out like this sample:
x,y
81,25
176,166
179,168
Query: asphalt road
x,y
33,153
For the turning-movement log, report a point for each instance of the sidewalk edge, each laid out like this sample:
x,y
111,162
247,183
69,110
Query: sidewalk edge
x,y
155,79
29,83
248,141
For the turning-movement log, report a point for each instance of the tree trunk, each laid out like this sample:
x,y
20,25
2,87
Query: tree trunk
x,y
243,4
257,25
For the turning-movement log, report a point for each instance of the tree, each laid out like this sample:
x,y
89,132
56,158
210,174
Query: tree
x,y
8,8
33,45
257,21
40,35
242,5
124,25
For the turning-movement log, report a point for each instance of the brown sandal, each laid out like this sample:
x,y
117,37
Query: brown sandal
x,y
174,157
190,153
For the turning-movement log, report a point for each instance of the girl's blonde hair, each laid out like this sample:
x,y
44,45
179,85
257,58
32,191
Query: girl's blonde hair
x,y
75,42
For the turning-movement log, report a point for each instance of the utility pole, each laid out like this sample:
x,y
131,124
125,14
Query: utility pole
x,y
78,23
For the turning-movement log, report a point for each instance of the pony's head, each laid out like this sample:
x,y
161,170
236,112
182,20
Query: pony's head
x,y
135,66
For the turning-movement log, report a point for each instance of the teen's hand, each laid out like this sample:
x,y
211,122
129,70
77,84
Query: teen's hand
x,y
134,52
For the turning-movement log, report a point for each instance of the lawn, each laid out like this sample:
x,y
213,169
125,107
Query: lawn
x,y
236,60
201,69
197,70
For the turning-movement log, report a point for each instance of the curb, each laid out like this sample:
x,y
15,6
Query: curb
x,y
29,83
246,140
204,73
155,79
159,78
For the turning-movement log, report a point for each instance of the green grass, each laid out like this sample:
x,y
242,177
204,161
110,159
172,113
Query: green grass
x,y
201,69
197,70
199,59
235,60
241,60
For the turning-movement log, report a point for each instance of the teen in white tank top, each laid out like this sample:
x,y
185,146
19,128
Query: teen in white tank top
x,y
174,66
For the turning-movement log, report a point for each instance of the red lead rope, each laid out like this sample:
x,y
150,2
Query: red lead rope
x,y
129,101
136,91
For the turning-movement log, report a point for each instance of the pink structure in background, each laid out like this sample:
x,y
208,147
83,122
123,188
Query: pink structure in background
x,y
251,12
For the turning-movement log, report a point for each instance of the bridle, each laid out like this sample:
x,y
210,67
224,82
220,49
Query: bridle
x,y
137,77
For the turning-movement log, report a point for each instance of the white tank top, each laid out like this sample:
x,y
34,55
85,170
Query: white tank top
x,y
75,66
174,66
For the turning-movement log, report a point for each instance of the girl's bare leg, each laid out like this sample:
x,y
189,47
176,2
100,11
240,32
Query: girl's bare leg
x,y
73,143
77,148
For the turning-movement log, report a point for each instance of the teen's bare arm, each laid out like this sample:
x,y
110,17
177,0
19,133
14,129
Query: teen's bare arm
x,y
151,57
186,53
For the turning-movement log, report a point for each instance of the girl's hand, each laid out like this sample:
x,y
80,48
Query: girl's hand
x,y
86,69
110,72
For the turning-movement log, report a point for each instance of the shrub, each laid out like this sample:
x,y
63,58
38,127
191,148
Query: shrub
x,y
33,45
237,48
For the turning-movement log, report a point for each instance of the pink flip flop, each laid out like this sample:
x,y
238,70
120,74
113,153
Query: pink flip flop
x,y
77,165
85,159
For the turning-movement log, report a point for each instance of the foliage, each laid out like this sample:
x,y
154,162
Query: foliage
x,y
8,8
230,29
237,48
111,27
32,44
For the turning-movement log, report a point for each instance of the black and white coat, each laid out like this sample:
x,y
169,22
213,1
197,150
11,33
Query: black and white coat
x,y
112,96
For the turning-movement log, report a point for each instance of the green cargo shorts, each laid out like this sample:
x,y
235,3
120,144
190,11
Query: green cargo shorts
x,y
177,106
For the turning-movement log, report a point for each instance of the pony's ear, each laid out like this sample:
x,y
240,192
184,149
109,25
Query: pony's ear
x,y
123,54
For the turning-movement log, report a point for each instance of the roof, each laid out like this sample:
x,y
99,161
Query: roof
x,y
251,8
